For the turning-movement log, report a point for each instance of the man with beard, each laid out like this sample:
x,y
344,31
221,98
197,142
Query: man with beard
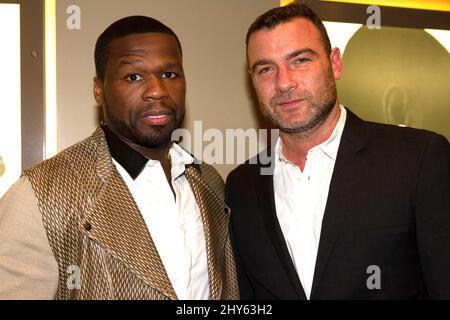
x,y
345,209
126,213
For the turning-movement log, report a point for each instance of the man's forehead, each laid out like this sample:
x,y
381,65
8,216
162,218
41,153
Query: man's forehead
x,y
297,27
144,43
288,37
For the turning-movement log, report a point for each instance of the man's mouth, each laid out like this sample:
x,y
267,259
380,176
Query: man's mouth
x,y
290,103
157,118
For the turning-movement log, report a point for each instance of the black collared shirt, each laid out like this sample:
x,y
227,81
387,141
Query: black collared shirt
x,y
131,160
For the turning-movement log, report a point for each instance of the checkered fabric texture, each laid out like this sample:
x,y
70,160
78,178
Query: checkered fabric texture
x,y
94,224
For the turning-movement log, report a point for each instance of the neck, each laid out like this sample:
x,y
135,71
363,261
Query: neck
x,y
297,145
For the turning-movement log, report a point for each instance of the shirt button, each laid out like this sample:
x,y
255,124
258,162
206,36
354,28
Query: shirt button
x,y
87,226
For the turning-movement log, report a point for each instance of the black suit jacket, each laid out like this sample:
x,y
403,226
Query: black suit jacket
x,y
388,206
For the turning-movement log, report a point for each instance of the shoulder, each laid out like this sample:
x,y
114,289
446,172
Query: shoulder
x,y
249,171
391,138
81,154
73,167
405,139
209,173
211,177
405,133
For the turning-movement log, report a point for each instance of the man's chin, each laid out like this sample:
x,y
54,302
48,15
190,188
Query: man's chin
x,y
157,138
154,142
300,127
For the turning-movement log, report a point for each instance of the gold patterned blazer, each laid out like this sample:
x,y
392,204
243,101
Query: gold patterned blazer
x,y
94,230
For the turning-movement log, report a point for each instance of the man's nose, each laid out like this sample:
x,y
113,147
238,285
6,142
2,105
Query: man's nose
x,y
285,80
155,88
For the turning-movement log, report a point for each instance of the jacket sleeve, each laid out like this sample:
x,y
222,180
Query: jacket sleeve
x,y
28,269
432,210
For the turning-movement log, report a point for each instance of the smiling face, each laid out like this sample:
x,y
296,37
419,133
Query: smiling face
x,y
143,92
293,76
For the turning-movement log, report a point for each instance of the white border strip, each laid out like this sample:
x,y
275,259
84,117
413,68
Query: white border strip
x,y
51,131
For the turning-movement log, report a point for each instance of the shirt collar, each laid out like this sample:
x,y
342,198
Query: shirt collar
x,y
329,147
179,156
179,159
134,162
131,160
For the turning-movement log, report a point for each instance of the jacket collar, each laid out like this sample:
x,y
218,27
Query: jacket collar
x,y
215,217
116,224
354,140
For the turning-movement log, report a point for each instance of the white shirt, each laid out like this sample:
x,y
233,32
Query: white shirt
x,y
175,225
300,200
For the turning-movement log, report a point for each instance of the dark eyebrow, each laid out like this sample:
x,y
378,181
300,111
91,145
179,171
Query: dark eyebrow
x,y
260,63
172,65
301,51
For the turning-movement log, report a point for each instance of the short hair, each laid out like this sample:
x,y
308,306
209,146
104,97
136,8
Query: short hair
x,y
279,15
121,28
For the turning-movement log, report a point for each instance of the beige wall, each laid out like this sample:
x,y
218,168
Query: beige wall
x,y
212,34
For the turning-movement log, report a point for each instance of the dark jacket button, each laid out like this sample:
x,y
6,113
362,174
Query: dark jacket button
x,y
87,226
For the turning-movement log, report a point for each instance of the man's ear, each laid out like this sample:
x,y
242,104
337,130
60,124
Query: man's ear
x,y
98,91
336,63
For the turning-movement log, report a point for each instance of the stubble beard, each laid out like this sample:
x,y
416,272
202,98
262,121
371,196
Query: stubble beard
x,y
319,109
159,136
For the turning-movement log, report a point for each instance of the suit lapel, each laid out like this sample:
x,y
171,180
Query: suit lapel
x,y
114,221
354,140
266,203
215,222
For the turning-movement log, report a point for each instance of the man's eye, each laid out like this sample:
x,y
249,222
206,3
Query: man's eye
x,y
169,75
133,77
264,70
301,60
